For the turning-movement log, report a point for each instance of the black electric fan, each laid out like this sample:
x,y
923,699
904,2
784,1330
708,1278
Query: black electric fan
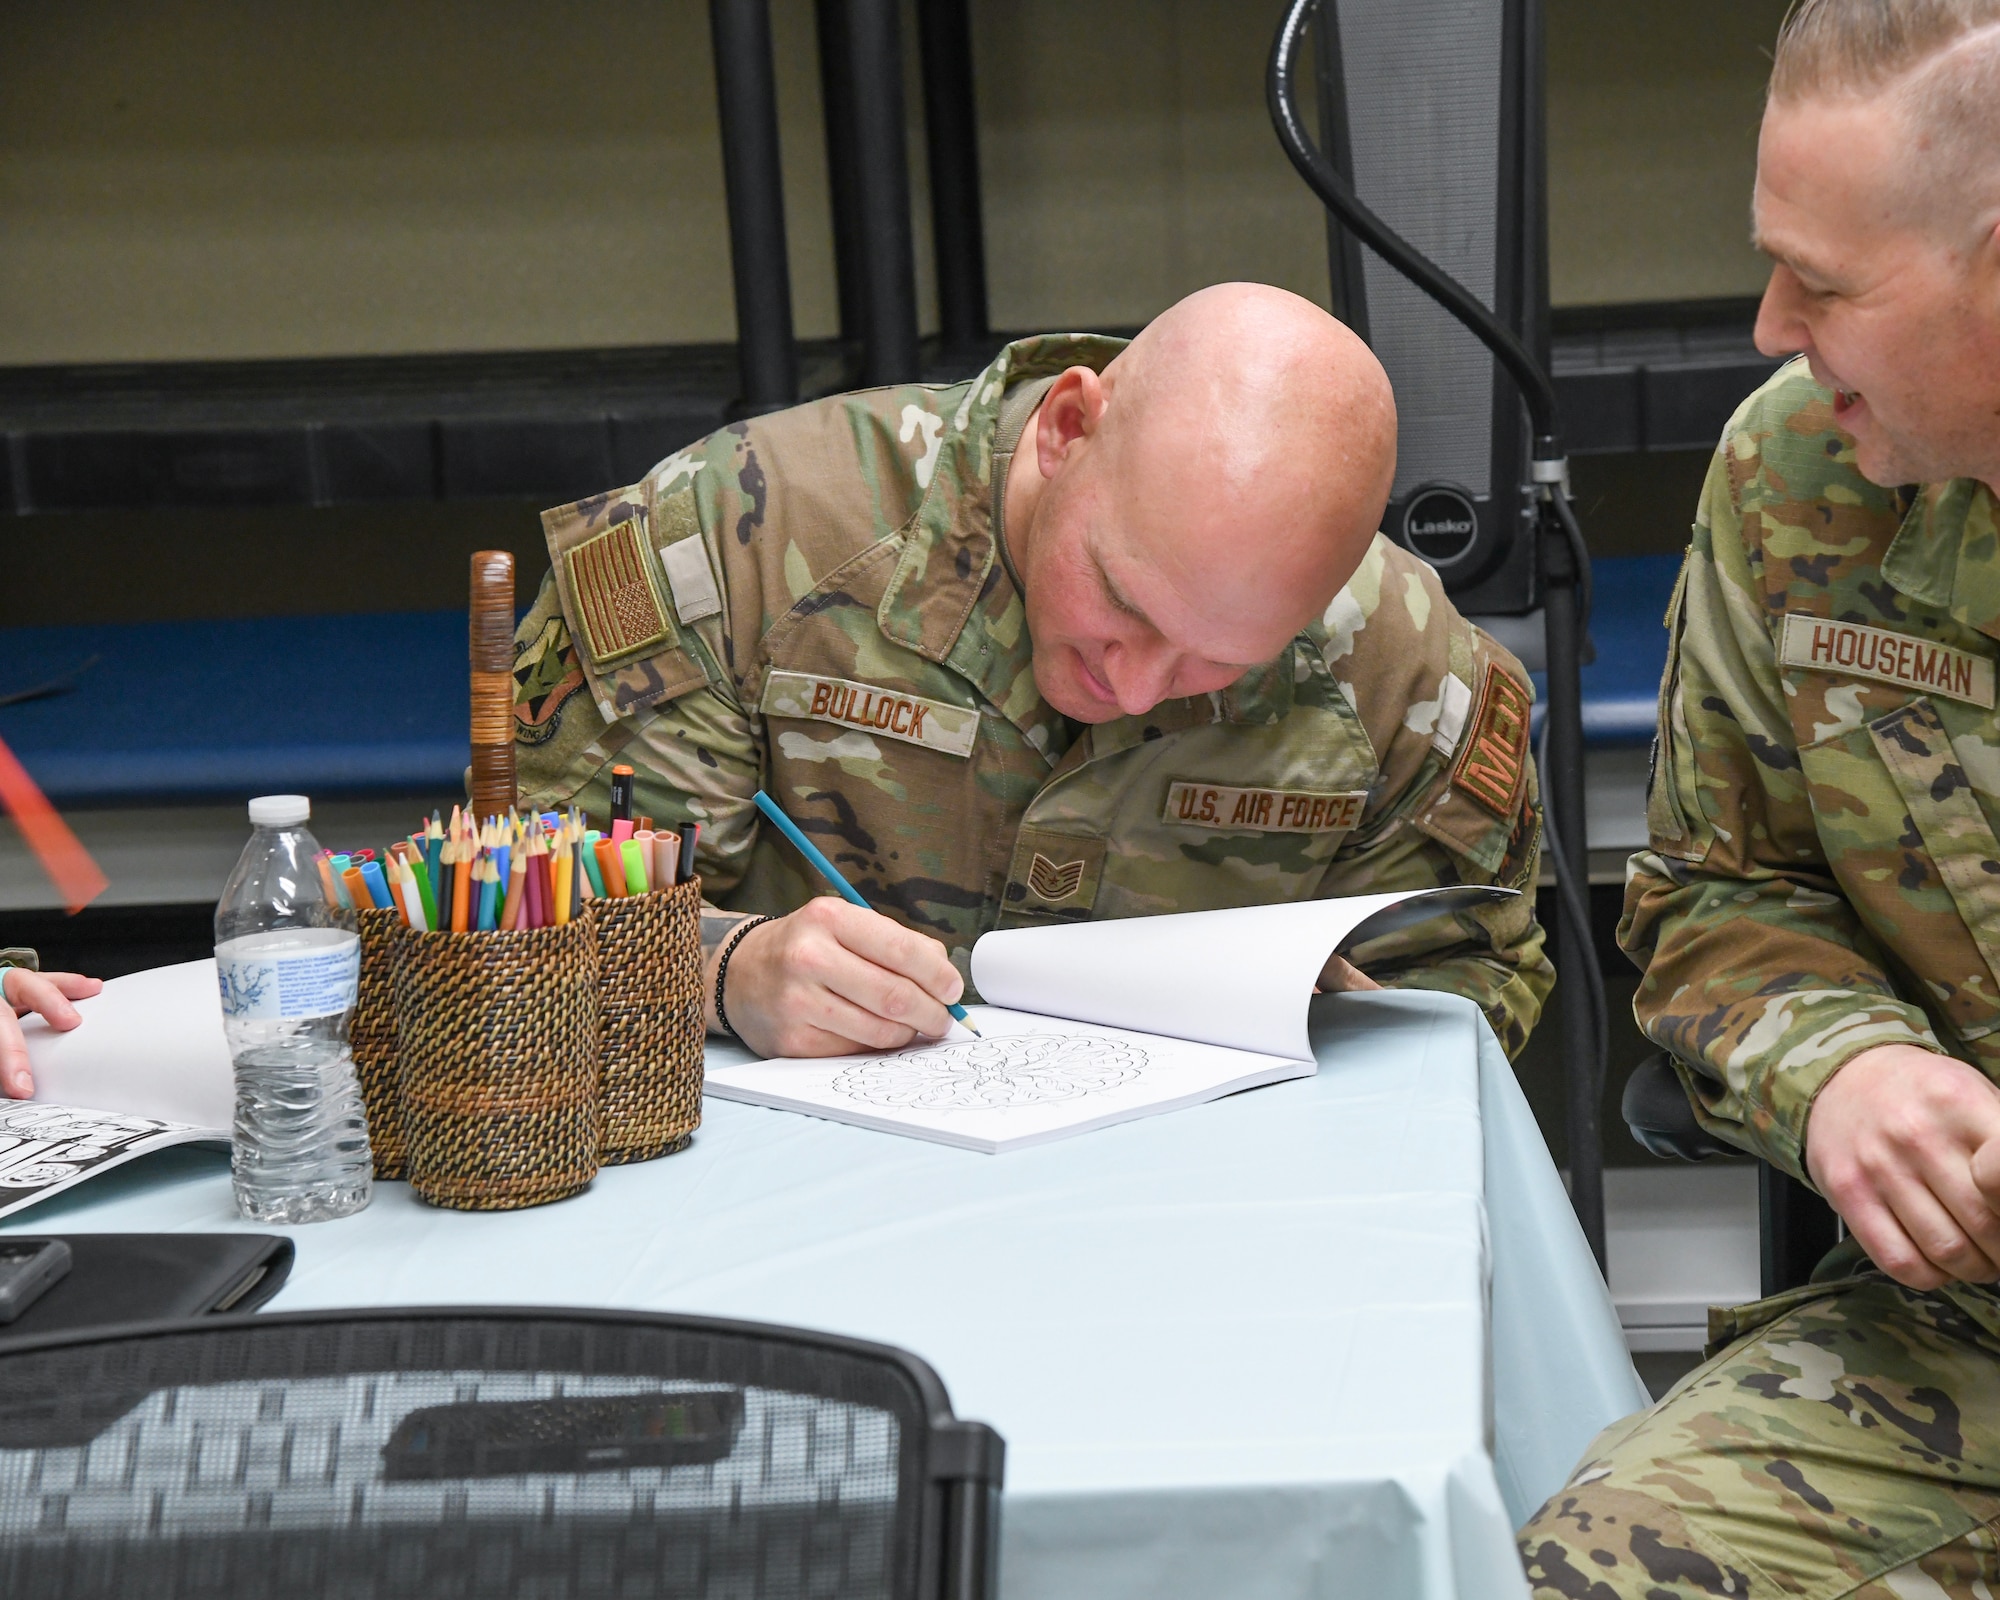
x,y
1434,110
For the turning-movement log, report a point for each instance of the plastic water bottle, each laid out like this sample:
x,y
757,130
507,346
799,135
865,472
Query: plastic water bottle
x,y
288,964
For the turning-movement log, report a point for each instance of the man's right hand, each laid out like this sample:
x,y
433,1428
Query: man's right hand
x,y
831,979
1890,1143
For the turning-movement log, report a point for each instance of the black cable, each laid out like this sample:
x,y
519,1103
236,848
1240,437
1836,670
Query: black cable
x,y
1580,555
1575,922
1537,388
1550,470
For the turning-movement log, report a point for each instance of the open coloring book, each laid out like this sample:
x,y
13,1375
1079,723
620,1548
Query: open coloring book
x,y
147,1069
1091,1023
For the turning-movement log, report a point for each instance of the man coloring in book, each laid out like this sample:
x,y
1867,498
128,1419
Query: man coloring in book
x,y
1106,631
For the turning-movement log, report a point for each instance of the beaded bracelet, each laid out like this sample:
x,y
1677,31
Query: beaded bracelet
x,y
722,970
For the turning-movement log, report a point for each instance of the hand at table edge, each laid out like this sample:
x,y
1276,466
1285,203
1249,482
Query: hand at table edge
x,y
43,994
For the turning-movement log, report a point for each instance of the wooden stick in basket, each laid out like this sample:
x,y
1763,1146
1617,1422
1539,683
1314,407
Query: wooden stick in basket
x,y
492,683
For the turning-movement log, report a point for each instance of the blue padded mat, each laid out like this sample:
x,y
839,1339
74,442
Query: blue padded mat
x,y
264,705
1621,688
378,703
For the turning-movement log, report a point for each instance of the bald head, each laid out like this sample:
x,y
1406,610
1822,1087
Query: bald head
x,y
1178,518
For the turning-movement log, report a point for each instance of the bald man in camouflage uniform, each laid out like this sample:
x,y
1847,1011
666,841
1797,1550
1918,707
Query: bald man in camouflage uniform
x,y
822,602
1819,912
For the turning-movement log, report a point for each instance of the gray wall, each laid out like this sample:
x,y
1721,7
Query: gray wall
x,y
222,178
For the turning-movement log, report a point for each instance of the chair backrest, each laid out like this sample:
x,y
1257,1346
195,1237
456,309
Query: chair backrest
x,y
1432,108
487,1453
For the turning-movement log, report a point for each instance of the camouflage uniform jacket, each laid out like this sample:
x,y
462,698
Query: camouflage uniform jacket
x,y
1823,874
814,601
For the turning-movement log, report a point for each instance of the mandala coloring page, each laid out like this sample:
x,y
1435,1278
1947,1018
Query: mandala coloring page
x,y
1026,1069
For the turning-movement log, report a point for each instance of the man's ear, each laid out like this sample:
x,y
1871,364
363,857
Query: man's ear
x,y
1068,415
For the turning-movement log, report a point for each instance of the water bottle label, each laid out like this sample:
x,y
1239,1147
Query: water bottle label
x,y
291,985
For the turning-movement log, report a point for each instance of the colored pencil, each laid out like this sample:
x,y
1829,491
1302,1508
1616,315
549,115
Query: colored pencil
x,y
420,879
434,867
534,912
559,870
488,885
415,910
573,853
517,878
544,885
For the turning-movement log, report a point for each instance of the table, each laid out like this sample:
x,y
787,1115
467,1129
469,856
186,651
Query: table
x,y
1332,1337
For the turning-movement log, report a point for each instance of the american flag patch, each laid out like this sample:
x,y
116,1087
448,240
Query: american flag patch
x,y
617,604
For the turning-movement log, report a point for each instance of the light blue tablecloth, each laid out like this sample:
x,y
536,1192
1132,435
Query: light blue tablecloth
x,y
1246,1350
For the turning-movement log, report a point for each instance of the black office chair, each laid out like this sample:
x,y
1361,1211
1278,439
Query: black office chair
x,y
1795,1226
477,1453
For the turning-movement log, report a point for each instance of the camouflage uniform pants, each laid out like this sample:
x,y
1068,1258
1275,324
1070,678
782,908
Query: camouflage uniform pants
x,y
1847,1443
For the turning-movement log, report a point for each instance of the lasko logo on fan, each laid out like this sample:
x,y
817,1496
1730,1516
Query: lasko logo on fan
x,y
1440,524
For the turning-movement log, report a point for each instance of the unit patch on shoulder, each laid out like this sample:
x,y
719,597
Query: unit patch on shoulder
x,y
1211,805
617,599
931,723
1820,644
1493,760
545,677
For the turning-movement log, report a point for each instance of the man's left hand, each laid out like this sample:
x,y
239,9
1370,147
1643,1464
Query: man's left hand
x,y
47,995
1341,976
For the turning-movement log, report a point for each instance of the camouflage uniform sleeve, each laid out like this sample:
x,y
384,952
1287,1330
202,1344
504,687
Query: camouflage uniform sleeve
x,y
1760,979
1420,829
696,757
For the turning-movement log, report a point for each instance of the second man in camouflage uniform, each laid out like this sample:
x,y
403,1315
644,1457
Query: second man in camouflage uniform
x,y
1819,911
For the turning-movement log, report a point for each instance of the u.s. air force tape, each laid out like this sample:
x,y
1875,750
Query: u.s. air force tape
x,y
1224,809
911,718
1820,644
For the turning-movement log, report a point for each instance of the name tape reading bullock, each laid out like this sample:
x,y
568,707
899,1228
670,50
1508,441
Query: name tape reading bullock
x,y
1821,645
930,723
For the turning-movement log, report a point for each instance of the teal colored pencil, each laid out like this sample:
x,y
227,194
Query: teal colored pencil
x,y
826,869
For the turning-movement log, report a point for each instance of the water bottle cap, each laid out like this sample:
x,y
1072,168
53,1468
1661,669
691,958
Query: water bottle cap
x,y
279,810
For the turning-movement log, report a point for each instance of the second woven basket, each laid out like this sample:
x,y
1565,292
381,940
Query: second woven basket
x,y
649,955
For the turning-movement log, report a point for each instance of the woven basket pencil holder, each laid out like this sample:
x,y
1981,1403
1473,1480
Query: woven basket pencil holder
x,y
649,958
497,1064
372,1037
